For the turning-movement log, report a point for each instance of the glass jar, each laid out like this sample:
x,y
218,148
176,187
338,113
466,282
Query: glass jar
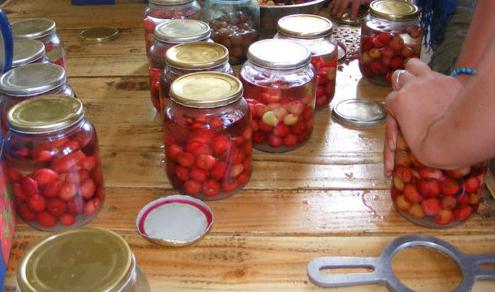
x,y
44,30
314,32
7,216
81,259
235,24
432,197
27,52
207,130
51,149
158,11
390,35
168,34
279,85
189,58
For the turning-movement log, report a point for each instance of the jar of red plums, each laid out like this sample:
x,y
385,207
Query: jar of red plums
x,y
158,11
44,30
390,35
168,34
53,163
235,24
279,84
432,197
189,58
314,32
27,52
208,134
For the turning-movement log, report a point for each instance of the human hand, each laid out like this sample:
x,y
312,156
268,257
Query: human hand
x,y
338,7
390,145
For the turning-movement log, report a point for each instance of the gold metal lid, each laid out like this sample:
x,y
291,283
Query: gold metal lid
x,y
82,259
32,79
197,55
304,26
393,9
32,28
206,89
99,34
27,51
182,30
45,114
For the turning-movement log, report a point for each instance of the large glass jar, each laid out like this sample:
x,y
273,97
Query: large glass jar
x,y
168,34
235,24
279,85
27,52
44,30
432,197
52,153
158,11
7,215
390,35
189,58
208,133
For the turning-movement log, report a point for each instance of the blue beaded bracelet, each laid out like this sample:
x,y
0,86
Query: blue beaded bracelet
x,y
463,71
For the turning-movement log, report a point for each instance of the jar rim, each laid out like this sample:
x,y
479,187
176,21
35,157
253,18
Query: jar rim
x,y
27,51
32,79
33,28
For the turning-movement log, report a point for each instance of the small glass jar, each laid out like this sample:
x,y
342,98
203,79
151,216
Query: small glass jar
x,y
44,30
27,52
168,34
81,259
390,35
279,85
207,130
189,58
432,197
52,152
314,32
235,24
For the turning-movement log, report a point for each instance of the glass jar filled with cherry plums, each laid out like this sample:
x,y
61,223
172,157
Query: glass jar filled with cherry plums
x,y
189,58
235,24
432,197
279,84
53,163
168,34
158,11
314,32
390,35
207,132
44,30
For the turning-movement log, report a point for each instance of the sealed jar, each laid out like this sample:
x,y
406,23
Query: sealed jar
x,y
235,24
390,35
314,32
44,30
28,51
51,149
81,259
207,130
432,197
168,34
279,85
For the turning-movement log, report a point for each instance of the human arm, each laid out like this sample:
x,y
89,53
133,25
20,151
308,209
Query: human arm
x,y
338,7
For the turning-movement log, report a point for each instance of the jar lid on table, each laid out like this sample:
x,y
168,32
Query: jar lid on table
x,y
197,55
304,26
393,9
27,51
32,79
182,30
33,28
359,113
278,54
169,2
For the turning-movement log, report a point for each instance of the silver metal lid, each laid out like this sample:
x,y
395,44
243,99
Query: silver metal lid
x,y
181,31
278,54
32,79
32,28
169,2
27,51
306,26
359,113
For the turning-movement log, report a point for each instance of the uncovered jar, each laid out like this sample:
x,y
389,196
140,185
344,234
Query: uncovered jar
x,y
314,32
27,52
81,259
44,30
279,85
168,34
207,132
51,149
390,35
432,197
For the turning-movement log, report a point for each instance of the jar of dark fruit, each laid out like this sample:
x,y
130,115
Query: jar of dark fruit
x,y
27,52
279,85
53,162
314,32
208,134
235,24
390,35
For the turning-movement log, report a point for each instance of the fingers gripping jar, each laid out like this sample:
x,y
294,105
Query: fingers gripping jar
x,y
279,85
27,52
208,135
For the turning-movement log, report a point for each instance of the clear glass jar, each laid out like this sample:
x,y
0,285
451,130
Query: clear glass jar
x,y
314,32
158,11
51,149
390,35
279,85
44,30
7,215
207,130
168,34
432,197
189,58
81,259
27,52
235,24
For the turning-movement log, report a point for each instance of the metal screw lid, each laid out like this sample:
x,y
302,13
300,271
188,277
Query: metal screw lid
x,y
181,31
197,55
99,34
32,79
278,54
393,9
33,28
169,2
27,51
304,26
359,113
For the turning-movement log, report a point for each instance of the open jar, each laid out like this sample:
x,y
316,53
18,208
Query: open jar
x,y
28,51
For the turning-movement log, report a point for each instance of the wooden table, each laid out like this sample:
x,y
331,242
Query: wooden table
x,y
328,198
